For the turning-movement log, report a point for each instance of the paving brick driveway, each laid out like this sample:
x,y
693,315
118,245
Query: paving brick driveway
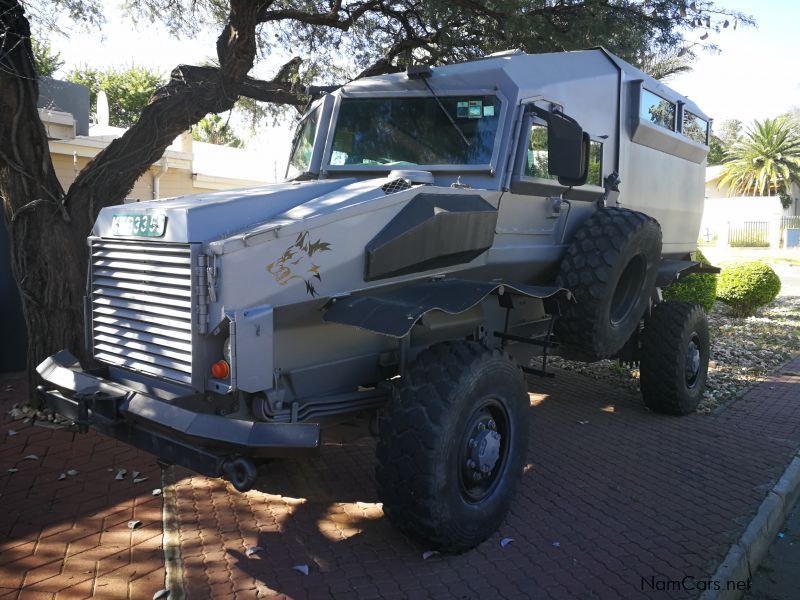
x,y
607,508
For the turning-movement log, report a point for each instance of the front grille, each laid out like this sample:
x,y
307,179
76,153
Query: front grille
x,y
141,302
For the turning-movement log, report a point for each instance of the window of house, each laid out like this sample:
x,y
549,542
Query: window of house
x,y
694,127
658,110
536,159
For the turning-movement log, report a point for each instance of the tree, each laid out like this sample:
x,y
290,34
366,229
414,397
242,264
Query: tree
x,y
45,59
214,130
722,138
665,64
730,130
716,151
765,160
128,90
48,225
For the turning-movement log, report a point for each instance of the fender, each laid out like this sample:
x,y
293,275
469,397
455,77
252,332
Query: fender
x,y
670,271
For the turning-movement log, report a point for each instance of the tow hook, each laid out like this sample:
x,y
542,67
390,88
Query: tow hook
x,y
241,472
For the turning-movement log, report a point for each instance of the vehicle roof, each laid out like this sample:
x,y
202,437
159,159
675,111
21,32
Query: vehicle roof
x,y
525,72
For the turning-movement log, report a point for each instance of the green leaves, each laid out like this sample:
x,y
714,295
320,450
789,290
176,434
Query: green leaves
x,y
765,161
747,286
214,130
45,59
128,90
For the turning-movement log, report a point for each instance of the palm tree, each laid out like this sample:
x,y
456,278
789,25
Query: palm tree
x,y
765,161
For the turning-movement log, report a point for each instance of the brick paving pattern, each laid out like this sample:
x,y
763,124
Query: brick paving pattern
x,y
70,538
603,504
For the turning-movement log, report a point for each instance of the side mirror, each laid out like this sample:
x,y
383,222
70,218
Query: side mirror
x,y
567,148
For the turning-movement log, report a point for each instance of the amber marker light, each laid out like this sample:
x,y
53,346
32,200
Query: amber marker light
x,y
220,369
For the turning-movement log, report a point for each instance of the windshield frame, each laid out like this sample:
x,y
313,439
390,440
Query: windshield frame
x,y
490,167
323,106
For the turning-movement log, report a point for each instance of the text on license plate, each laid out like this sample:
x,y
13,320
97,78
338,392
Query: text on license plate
x,y
144,225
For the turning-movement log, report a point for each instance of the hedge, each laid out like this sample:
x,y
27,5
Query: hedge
x,y
747,286
697,288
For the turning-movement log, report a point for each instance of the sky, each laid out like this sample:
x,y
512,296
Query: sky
x,y
755,74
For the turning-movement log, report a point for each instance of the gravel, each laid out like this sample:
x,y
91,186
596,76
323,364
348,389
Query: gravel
x,y
743,352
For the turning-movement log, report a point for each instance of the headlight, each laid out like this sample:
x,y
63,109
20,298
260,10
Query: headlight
x,y
226,350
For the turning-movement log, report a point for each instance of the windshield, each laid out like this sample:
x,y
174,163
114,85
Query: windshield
x,y
303,146
415,131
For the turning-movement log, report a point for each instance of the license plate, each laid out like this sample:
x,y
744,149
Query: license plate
x,y
141,225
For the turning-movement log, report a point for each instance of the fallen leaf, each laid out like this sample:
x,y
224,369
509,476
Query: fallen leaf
x,y
505,542
31,457
62,476
139,479
157,492
556,544
254,550
12,471
583,422
121,474
72,472
134,524
11,432
161,594
136,474
301,569
428,553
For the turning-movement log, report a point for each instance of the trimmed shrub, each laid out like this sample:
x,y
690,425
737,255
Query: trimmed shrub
x,y
697,288
746,286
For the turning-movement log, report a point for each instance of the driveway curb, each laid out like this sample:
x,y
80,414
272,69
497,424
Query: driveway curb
x,y
747,553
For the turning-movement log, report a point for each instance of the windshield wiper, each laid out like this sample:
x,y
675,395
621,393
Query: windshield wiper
x,y
447,114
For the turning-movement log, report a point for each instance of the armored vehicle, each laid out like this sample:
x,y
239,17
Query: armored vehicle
x,y
430,224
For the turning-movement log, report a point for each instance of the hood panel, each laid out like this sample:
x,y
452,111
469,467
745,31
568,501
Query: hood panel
x,y
214,215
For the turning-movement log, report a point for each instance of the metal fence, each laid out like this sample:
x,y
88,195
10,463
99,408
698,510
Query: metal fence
x,y
790,223
750,234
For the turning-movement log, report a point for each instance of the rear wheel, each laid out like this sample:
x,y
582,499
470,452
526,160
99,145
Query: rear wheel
x,y
452,445
611,267
674,358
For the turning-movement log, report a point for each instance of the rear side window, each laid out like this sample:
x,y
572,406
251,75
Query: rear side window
x,y
694,127
657,110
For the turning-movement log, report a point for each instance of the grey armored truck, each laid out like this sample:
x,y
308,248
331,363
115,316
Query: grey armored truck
x,y
432,225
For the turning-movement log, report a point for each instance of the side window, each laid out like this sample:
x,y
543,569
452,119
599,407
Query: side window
x,y
595,163
536,157
657,110
694,127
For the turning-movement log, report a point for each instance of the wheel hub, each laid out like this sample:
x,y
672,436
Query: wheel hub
x,y
486,451
483,449
692,362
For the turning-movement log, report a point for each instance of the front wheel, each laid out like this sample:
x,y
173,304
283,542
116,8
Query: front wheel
x,y
674,358
452,445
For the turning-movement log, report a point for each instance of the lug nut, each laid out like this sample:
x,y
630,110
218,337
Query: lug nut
x,y
492,425
472,443
476,476
481,426
485,469
470,464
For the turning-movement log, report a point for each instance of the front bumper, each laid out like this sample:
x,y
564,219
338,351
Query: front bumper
x,y
201,442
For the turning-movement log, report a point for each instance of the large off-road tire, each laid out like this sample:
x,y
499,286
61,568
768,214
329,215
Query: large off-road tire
x,y
610,266
674,358
452,445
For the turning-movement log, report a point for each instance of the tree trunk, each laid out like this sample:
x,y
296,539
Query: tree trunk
x,y
47,228
48,254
